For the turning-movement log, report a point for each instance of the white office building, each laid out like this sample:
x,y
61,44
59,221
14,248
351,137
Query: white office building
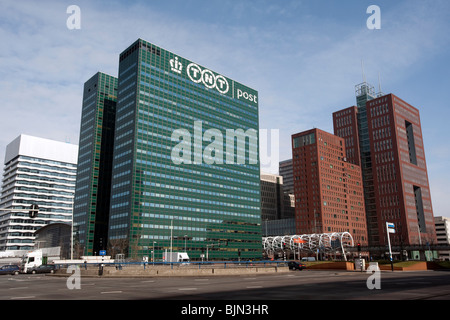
x,y
37,171
443,236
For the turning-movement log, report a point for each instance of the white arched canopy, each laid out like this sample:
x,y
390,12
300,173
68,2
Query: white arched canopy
x,y
324,242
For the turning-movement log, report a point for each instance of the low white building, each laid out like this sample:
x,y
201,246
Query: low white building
x,y
442,225
37,171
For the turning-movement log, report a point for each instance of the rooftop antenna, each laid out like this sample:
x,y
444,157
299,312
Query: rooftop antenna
x,y
380,93
362,68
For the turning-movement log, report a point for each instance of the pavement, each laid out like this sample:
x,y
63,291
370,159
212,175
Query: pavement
x,y
289,286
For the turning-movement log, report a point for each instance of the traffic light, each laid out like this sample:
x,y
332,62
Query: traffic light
x,y
359,247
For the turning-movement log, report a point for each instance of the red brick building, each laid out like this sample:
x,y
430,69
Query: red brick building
x,y
345,124
395,172
328,190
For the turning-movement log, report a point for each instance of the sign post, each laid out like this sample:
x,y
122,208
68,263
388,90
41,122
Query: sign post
x,y
390,228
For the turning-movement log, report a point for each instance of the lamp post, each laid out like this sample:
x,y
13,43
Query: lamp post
x,y
171,237
71,236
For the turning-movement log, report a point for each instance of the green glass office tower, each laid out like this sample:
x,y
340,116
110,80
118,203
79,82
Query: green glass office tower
x,y
364,93
93,184
185,171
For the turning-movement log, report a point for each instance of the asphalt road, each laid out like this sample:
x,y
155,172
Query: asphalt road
x,y
295,285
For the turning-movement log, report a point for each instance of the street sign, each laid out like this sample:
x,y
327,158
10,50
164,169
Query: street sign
x,y
102,252
390,227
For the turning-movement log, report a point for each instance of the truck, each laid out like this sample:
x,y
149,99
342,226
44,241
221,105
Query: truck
x,y
176,257
36,258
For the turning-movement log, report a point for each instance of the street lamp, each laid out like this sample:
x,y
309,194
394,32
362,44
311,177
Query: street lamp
x,y
153,252
171,239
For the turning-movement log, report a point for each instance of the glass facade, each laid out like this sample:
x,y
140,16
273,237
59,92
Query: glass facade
x,y
364,93
92,193
184,174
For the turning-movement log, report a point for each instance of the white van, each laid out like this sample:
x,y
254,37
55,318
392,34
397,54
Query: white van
x,y
177,257
309,259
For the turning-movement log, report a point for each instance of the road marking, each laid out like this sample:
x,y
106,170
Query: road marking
x,y
148,281
18,280
18,288
254,287
107,292
29,297
187,289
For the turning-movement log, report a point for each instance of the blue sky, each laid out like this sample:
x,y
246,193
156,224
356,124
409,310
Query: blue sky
x,y
304,58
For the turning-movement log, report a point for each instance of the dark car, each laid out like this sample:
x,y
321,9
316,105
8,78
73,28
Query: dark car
x,y
10,269
45,268
294,265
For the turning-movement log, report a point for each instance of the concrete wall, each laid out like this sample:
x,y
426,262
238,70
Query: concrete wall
x,y
167,271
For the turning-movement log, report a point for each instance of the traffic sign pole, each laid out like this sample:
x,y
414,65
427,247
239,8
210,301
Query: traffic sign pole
x,y
390,229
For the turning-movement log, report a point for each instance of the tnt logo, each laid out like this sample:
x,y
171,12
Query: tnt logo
x,y
208,78
176,65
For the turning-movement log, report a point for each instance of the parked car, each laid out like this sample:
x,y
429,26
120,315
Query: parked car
x,y
43,268
294,265
10,269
